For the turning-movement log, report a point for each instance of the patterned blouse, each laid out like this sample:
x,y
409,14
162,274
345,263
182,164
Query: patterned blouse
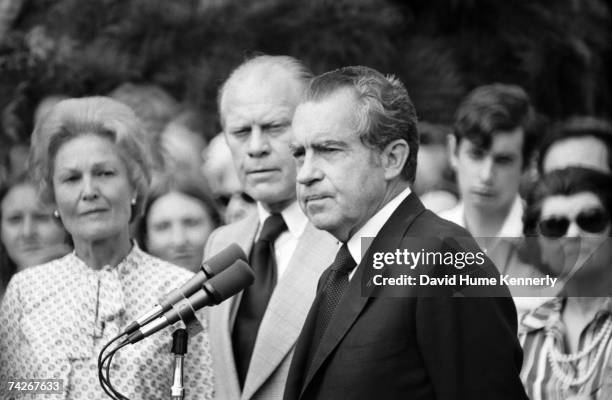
x,y
542,331
55,318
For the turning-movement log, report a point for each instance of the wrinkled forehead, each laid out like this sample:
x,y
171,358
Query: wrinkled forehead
x,y
86,150
330,119
259,90
249,113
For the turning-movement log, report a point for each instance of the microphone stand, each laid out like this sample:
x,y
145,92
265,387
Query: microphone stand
x,y
179,348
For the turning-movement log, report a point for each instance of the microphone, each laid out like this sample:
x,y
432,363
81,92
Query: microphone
x,y
209,268
179,348
214,291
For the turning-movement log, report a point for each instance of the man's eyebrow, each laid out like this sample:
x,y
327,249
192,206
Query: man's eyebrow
x,y
324,144
237,127
504,153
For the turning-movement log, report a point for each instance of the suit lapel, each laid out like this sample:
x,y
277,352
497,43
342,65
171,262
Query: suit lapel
x,y
222,316
289,304
353,302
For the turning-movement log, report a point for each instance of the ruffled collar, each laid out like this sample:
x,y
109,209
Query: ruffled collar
x,y
133,258
549,314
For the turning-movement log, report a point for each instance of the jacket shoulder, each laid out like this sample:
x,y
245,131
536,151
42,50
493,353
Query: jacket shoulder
x,y
429,222
240,232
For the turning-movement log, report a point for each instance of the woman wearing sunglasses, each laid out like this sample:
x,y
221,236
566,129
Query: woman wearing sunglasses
x,y
567,341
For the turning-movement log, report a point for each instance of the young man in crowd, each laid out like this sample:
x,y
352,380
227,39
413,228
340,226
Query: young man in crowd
x,y
493,137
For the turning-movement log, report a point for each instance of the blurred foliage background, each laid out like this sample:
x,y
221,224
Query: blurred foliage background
x,y
558,50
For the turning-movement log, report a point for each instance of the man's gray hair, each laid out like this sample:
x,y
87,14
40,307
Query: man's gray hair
x,y
385,111
267,67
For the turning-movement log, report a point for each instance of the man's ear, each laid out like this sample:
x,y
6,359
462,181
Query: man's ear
x,y
394,157
452,146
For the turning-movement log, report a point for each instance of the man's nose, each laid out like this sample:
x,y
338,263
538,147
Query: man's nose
x,y
308,172
487,170
258,144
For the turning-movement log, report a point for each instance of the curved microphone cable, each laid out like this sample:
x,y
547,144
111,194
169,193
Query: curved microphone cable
x,y
214,291
109,389
101,378
109,357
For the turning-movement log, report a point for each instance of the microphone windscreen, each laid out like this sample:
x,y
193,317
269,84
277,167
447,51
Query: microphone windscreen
x,y
230,281
221,260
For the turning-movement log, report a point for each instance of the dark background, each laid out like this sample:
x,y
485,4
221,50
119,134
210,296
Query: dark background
x,y
558,50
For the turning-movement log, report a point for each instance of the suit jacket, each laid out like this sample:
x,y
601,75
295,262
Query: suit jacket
x,y
411,345
282,321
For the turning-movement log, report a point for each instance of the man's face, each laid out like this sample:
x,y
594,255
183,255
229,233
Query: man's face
x,y
258,132
489,179
586,151
340,181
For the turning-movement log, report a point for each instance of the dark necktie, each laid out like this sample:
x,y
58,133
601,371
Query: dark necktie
x,y
255,298
330,295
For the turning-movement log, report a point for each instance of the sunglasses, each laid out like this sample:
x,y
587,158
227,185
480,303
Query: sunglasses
x,y
593,221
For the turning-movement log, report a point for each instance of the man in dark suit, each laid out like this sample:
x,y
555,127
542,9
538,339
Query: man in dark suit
x,y
355,145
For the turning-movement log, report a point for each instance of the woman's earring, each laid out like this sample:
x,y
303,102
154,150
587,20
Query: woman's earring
x,y
56,214
133,202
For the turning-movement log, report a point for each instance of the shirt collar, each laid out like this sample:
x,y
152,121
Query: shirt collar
x,y
512,226
549,313
371,228
544,315
292,215
132,260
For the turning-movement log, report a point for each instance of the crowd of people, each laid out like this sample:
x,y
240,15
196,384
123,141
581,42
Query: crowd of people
x,y
120,199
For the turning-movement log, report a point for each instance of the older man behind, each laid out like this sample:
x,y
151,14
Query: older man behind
x,y
254,334
356,147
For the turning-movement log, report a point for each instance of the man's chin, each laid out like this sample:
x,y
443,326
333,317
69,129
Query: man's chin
x,y
322,221
487,203
271,196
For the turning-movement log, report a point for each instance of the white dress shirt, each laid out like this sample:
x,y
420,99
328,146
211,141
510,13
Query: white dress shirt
x,y
371,228
512,226
286,243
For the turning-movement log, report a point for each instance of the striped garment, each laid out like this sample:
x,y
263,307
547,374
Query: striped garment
x,y
538,328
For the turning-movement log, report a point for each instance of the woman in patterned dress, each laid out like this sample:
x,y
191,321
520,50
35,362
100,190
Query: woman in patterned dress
x,y
567,341
89,157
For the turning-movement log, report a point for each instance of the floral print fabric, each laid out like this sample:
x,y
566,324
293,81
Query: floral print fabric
x,y
55,319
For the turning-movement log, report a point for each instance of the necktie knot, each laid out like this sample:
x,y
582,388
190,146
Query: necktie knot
x,y
344,262
273,226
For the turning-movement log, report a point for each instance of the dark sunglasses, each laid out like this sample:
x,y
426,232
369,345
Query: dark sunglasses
x,y
594,220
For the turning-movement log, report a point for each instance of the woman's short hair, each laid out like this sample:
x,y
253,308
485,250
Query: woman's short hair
x,y
564,182
191,185
101,116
